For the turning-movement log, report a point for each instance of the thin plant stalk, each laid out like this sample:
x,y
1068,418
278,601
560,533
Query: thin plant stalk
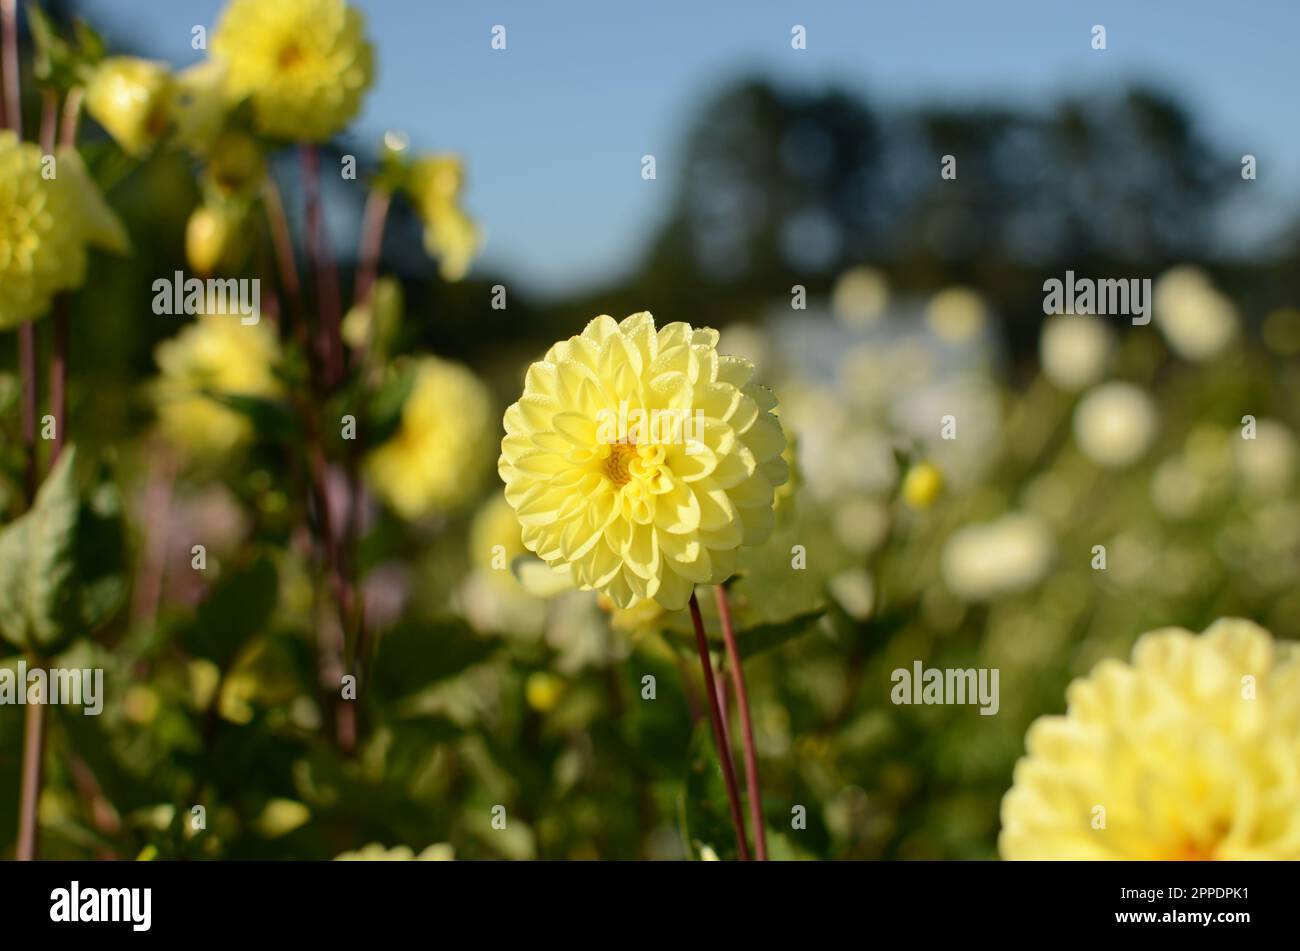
x,y
34,721
719,736
752,787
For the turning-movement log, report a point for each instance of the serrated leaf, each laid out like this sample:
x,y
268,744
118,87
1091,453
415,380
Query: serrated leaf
x,y
38,583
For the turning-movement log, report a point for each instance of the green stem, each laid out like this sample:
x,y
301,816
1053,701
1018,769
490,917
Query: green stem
x,y
752,788
719,737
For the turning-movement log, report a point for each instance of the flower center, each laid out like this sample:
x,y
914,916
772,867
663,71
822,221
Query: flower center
x,y
290,55
620,458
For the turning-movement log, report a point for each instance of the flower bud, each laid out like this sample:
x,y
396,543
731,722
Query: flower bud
x,y
209,237
131,98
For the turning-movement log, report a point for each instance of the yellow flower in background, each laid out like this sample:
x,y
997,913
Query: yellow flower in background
x,y
46,224
212,239
640,460
435,459
435,185
305,64
1192,751
218,354
438,852
922,485
132,99
495,540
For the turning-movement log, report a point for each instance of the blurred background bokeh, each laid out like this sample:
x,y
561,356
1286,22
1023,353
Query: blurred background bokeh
x,y
797,205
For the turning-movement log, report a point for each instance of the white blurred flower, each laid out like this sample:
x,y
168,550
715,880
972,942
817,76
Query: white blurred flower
x,y
1267,463
861,524
855,591
860,297
1177,489
1197,321
1114,424
1074,350
991,559
956,314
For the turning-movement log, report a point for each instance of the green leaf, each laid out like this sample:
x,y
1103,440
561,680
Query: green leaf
x,y
272,420
385,410
415,655
39,597
237,609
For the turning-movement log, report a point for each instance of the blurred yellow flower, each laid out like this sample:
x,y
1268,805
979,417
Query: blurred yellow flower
x,y
46,224
218,354
922,485
1114,424
441,448
438,852
495,539
212,239
132,99
543,690
1189,752
639,461
435,184
305,64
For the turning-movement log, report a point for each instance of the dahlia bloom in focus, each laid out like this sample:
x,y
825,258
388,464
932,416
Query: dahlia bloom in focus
x,y
1192,751
638,511
304,63
217,354
46,225
436,458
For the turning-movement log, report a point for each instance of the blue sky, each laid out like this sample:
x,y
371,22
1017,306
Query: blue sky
x,y
554,127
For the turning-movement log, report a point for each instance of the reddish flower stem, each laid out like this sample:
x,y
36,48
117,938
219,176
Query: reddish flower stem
x,y
746,725
719,736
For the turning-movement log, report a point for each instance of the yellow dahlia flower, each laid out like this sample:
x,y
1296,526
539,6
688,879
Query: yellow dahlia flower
x,y
435,185
304,63
1190,752
132,99
435,459
640,460
215,354
45,227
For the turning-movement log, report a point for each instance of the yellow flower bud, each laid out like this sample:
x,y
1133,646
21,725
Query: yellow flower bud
x,y
209,237
132,99
922,485
543,691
